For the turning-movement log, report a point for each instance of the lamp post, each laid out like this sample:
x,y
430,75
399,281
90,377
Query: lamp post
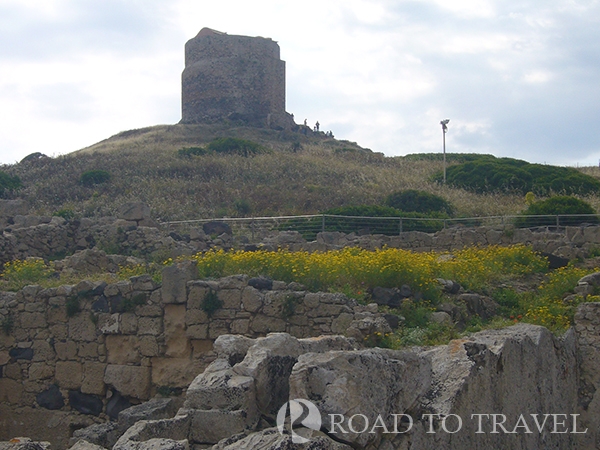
x,y
444,124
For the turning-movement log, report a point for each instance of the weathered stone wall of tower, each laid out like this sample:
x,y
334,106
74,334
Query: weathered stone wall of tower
x,y
240,78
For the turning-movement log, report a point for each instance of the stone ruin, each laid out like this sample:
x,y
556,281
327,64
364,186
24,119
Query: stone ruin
x,y
239,78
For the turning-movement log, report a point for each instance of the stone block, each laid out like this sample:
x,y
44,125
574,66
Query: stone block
x,y
66,350
68,374
175,372
131,381
197,331
43,351
122,349
40,371
56,314
262,324
176,341
217,328
88,350
174,281
148,346
340,324
252,299
129,323
197,290
109,323
93,378
149,311
150,326
81,328
240,326
195,316
231,298
59,331
33,320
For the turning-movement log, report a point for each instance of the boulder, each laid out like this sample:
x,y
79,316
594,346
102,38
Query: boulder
x,y
134,211
337,383
216,228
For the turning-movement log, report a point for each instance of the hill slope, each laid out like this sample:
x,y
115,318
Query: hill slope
x,y
300,174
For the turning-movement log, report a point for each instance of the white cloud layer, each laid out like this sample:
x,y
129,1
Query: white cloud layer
x,y
516,78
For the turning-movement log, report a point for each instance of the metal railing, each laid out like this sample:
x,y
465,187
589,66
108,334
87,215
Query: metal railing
x,y
257,228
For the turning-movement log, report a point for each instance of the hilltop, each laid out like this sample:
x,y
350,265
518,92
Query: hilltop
x,y
296,174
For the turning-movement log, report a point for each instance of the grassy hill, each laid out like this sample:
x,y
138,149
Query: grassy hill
x,y
297,174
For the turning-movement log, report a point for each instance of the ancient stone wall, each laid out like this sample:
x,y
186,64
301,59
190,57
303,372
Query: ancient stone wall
x,y
234,77
52,237
87,351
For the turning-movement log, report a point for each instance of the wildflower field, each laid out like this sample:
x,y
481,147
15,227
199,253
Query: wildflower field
x,y
493,271
355,271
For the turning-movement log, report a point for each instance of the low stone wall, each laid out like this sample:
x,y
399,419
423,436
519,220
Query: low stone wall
x,y
569,242
54,237
88,351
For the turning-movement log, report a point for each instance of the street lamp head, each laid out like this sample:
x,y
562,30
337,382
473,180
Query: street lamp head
x,y
444,124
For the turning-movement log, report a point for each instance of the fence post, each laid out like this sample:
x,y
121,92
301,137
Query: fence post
x,y
557,221
252,229
400,226
323,223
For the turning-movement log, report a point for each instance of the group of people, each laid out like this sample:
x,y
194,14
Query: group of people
x,y
315,128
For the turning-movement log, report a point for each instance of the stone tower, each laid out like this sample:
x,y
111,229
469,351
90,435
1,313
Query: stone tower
x,y
239,78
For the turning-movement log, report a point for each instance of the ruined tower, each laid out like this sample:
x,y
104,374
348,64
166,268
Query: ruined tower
x,y
239,78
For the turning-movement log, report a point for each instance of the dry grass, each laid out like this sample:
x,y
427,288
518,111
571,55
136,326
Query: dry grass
x,y
324,173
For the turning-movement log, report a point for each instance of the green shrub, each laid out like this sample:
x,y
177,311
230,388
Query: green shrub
x,y
129,305
211,303
558,205
489,174
413,200
450,157
289,306
235,146
191,151
7,324
242,206
416,221
93,177
8,183
73,305
65,213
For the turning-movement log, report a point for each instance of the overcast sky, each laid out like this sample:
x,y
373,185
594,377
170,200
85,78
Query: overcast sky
x,y
516,78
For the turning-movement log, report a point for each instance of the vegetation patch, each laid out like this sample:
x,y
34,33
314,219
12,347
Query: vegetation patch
x,y
20,273
191,151
73,305
289,306
361,270
129,304
426,222
7,324
9,183
229,145
211,303
556,206
489,174
94,177
413,200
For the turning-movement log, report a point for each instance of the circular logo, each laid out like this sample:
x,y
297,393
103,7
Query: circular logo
x,y
302,412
